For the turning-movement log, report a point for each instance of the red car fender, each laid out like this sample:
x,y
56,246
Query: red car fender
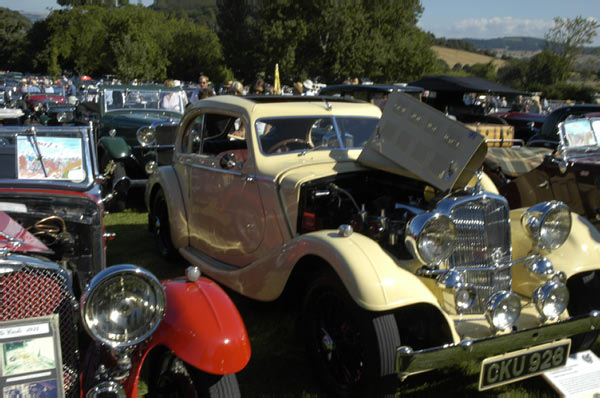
x,y
202,326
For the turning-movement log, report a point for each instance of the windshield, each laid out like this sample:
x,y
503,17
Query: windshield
x,y
580,133
43,155
288,134
118,99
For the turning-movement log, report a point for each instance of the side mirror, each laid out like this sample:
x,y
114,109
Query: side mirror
x,y
229,161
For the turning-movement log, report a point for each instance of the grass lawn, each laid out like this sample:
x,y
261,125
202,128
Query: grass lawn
x,y
278,367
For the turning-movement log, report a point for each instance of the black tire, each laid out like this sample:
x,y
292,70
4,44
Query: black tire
x,y
116,170
173,378
353,350
161,227
583,289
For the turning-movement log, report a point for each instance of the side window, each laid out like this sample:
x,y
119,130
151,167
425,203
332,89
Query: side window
x,y
190,142
219,134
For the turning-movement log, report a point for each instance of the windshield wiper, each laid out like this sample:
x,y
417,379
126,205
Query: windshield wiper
x,y
36,149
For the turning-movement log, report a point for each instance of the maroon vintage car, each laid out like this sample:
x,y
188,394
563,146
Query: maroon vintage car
x,y
569,173
72,327
526,124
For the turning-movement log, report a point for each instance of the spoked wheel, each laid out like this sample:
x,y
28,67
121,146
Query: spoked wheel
x,y
112,171
161,227
353,350
584,298
173,378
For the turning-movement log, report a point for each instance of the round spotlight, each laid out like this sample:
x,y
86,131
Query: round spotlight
x,y
150,167
551,299
431,237
503,310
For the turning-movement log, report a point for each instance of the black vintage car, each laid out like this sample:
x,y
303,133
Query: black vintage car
x,y
569,173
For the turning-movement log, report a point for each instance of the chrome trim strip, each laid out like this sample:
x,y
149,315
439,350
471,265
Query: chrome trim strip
x,y
449,355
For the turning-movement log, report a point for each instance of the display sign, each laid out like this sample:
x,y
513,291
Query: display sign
x,y
579,378
31,364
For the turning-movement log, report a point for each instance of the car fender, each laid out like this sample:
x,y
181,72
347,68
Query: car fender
x,y
116,147
580,252
202,326
166,179
374,279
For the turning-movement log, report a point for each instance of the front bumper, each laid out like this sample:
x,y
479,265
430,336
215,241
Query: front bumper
x,y
411,362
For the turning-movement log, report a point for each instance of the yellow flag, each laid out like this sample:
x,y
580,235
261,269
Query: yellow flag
x,y
277,83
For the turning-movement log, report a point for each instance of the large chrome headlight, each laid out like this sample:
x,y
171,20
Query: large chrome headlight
x,y
123,305
431,237
503,310
548,224
146,136
551,299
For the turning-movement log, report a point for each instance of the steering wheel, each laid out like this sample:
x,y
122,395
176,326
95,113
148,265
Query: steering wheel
x,y
286,142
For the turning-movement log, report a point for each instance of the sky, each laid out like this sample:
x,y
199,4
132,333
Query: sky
x,y
488,19
453,19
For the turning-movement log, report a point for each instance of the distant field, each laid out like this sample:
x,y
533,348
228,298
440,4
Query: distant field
x,y
453,57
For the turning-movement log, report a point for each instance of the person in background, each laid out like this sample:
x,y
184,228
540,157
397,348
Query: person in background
x,y
297,88
171,100
307,88
236,88
258,88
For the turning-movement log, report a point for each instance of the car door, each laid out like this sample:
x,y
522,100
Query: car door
x,y
225,214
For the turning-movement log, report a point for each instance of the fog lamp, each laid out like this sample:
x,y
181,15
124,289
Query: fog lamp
x,y
465,298
548,224
551,299
431,237
146,136
123,306
150,167
503,310
458,296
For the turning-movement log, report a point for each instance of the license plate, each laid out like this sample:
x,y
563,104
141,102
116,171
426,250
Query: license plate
x,y
518,365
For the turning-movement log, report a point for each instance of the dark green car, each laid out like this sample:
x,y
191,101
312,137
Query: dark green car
x,y
136,127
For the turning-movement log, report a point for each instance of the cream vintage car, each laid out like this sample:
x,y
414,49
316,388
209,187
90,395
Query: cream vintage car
x,y
404,256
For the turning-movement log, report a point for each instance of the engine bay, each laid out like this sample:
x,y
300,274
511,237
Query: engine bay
x,y
374,205
71,228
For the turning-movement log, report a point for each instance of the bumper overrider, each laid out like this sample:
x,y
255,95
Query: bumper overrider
x,y
410,362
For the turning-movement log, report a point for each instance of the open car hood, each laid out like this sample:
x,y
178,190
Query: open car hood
x,y
15,238
416,140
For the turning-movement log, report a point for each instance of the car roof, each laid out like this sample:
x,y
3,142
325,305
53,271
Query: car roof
x,y
138,87
375,88
289,105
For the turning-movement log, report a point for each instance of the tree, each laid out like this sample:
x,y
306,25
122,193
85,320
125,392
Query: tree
x,y
105,3
486,71
513,74
568,36
13,28
328,40
545,68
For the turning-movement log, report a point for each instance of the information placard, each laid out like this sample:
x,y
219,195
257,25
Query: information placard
x,y
31,363
579,378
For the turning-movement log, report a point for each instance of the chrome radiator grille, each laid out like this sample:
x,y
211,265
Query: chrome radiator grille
x,y
483,230
30,292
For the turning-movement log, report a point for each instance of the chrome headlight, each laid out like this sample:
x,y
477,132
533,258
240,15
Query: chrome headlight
x,y
146,136
548,224
431,237
551,299
503,310
123,306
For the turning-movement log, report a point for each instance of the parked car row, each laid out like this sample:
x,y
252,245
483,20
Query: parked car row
x,y
399,252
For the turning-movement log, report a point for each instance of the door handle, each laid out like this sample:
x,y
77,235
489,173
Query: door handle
x,y
248,178
544,184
